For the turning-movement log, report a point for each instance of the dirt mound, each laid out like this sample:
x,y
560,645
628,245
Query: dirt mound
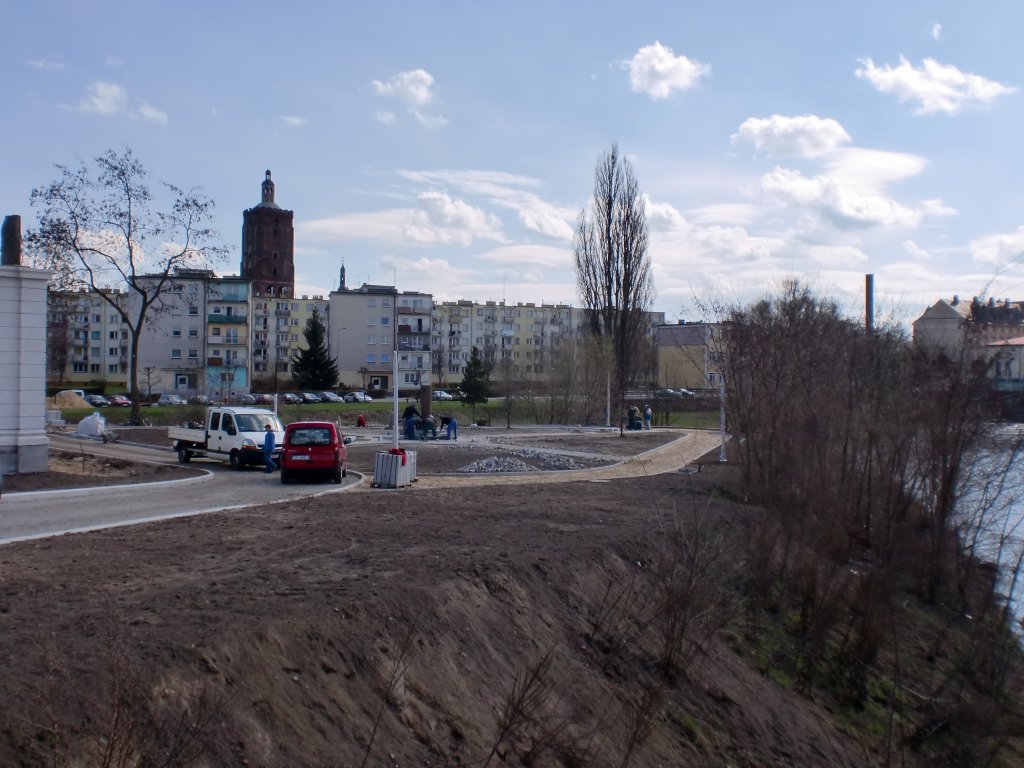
x,y
66,400
409,627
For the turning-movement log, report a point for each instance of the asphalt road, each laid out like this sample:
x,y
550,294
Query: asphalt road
x,y
53,513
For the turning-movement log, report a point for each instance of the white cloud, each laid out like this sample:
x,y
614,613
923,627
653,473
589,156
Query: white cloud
x,y
934,87
656,71
447,221
843,206
805,136
150,114
506,191
999,249
415,88
935,207
111,99
936,31
104,99
45,64
914,250
385,117
292,121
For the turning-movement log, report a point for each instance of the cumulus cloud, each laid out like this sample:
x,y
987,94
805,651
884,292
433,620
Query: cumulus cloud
x,y
936,31
104,99
414,88
657,71
999,249
934,87
111,99
914,250
509,191
45,64
843,206
806,136
442,219
150,114
292,121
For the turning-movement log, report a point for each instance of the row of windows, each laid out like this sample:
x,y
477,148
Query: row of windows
x,y
95,368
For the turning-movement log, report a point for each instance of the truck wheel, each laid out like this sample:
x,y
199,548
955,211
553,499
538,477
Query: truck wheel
x,y
235,461
184,456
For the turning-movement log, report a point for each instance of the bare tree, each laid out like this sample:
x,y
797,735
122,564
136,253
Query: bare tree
x,y
99,231
613,268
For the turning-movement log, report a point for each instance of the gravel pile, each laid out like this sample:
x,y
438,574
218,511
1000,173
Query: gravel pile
x,y
515,462
497,464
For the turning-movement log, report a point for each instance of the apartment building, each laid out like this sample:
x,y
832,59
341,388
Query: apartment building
x,y
689,355
87,342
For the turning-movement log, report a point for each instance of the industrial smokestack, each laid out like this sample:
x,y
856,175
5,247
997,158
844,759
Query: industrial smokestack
x,y
10,242
869,303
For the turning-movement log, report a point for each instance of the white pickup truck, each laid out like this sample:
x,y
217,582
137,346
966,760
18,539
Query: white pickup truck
x,y
235,434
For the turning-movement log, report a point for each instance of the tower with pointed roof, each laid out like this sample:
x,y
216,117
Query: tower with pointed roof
x,y
268,246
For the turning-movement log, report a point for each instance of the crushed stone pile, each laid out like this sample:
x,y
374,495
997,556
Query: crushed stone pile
x,y
497,464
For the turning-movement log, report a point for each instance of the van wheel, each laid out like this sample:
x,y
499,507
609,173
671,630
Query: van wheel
x,y
184,456
235,461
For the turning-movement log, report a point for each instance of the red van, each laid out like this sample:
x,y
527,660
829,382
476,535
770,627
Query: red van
x,y
313,448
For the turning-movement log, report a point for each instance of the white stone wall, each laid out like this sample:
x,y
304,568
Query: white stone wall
x,y
23,441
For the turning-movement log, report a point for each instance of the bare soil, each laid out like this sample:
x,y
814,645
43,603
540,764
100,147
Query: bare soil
x,y
386,628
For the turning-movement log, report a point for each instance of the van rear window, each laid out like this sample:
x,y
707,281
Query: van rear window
x,y
318,436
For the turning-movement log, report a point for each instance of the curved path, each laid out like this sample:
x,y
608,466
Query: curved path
x,y
41,514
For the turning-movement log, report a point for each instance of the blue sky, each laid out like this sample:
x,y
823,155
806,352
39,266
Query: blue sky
x,y
448,147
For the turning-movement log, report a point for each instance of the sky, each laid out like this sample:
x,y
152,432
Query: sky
x,y
450,147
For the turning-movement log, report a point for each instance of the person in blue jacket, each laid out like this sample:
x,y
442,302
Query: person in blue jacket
x,y
268,449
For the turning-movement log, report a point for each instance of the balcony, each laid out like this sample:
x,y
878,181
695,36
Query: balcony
x,y
215,362
225,341
410,347
229,319
282,312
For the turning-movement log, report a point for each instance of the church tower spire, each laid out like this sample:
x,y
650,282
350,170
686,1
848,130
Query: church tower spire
x,y
341,276
268,190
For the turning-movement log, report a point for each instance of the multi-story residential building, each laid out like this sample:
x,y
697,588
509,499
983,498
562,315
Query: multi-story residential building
x,y
277,334
369,325
689,355
227,338
361,333
87,342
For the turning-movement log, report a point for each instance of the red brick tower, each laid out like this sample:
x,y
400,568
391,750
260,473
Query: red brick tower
x,y
268,246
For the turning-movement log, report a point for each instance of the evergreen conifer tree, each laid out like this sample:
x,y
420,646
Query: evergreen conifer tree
x,y
313,368
476,380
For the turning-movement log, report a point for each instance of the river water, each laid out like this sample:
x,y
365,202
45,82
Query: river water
x,y
991,521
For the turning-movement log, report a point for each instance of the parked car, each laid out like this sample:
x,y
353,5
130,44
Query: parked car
x,y
247,400
686,393
358,397
200,400
120,401
170,399
97,401
665,392
313,448
330,397
440,394
289,398
309,397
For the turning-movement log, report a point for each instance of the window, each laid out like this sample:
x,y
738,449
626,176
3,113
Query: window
x,y
371,302
370,321
94,368
371,339
112,351
385,320
95,318
385,302
371,358
112,368
193,311
215,332
193,354
112,335
385,358
95,335
94,351
386,340
80,367
193,333
176,332
175,354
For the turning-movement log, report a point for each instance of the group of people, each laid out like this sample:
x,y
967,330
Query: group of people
x,y
640,419
419,427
